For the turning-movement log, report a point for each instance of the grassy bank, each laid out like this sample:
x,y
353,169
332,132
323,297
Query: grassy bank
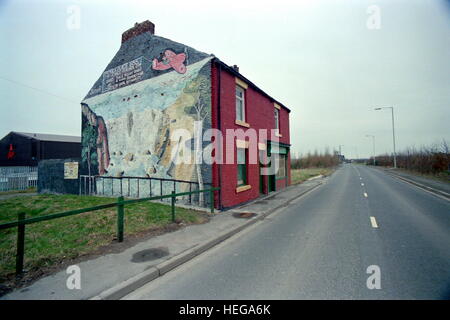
x,y
300,175
49,243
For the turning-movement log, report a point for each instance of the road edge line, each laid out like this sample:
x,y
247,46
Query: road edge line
x,y
442,194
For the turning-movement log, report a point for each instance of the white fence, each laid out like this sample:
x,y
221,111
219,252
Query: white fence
x,y
18,178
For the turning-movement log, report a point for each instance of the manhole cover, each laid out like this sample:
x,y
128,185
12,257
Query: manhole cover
x,y
245,215
149,254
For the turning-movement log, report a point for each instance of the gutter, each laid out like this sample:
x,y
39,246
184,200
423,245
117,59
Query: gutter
x,y
219,126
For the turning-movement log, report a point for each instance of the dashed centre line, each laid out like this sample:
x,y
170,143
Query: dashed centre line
x,y
362,184
365,194
373,222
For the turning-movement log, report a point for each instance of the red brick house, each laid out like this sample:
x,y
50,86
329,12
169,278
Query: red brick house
x,y
152,89
260,112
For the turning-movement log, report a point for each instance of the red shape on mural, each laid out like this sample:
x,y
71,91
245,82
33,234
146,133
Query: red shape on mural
x,y
170,60
11,152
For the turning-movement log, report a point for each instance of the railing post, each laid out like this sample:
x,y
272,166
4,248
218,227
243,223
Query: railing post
x,y
173,206
20,244
190,194
211,200
120,214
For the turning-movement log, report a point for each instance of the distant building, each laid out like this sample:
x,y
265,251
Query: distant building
x,y
27,149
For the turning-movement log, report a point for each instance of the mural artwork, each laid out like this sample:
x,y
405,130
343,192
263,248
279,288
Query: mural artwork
x,y
95,150
170,59
126,131
126,74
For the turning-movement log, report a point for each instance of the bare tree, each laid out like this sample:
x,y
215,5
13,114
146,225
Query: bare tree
x,y
199,88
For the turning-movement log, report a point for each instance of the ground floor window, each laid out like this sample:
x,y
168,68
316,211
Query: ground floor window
x,y
281,173
241,166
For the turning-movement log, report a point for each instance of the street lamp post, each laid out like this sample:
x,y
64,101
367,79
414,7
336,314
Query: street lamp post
x,y
373,145
340,152
393,132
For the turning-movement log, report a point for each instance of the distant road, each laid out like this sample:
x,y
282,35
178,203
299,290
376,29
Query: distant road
x,y
321,245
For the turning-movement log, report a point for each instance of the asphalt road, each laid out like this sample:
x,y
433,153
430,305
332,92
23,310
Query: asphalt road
x,y
321,245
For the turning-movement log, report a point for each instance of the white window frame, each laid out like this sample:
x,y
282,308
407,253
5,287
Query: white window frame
x,y
277,119
242,100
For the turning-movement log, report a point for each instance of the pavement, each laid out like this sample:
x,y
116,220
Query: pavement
x,y
115,275
364,234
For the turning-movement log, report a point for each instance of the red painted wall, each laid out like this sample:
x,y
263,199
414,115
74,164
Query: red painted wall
x,y
259,115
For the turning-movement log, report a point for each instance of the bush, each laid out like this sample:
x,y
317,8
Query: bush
x,y
316,160
433,159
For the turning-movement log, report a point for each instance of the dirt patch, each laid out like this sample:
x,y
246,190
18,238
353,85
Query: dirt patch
x,y
244,215
150,254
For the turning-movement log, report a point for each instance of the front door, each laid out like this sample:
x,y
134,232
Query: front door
x,y
272,186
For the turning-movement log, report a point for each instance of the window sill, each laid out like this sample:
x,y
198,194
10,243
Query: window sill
x,y
242,123
279,135
243,188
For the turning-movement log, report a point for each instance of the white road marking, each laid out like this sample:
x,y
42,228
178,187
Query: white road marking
x,y
360,178
365,194
362,184
373,222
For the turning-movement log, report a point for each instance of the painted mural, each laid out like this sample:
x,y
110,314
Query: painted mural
x,y
170,59
126,129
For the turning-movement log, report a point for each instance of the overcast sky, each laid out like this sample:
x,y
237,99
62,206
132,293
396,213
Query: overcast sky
x,y
319,58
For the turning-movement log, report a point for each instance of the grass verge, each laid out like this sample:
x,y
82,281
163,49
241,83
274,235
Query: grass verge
x,y
52,242
301,175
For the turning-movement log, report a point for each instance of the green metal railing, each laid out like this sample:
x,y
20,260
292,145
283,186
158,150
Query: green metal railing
x,y
120,204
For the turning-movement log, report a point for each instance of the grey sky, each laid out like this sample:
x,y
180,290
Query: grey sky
x,y
317,57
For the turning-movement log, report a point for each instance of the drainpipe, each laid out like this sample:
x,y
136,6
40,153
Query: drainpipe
x,y
219,126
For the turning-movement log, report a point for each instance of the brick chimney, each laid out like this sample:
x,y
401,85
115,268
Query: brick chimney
x,y
138,29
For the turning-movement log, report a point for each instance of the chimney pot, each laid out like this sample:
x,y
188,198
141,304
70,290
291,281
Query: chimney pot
x,y
138,29
236,68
